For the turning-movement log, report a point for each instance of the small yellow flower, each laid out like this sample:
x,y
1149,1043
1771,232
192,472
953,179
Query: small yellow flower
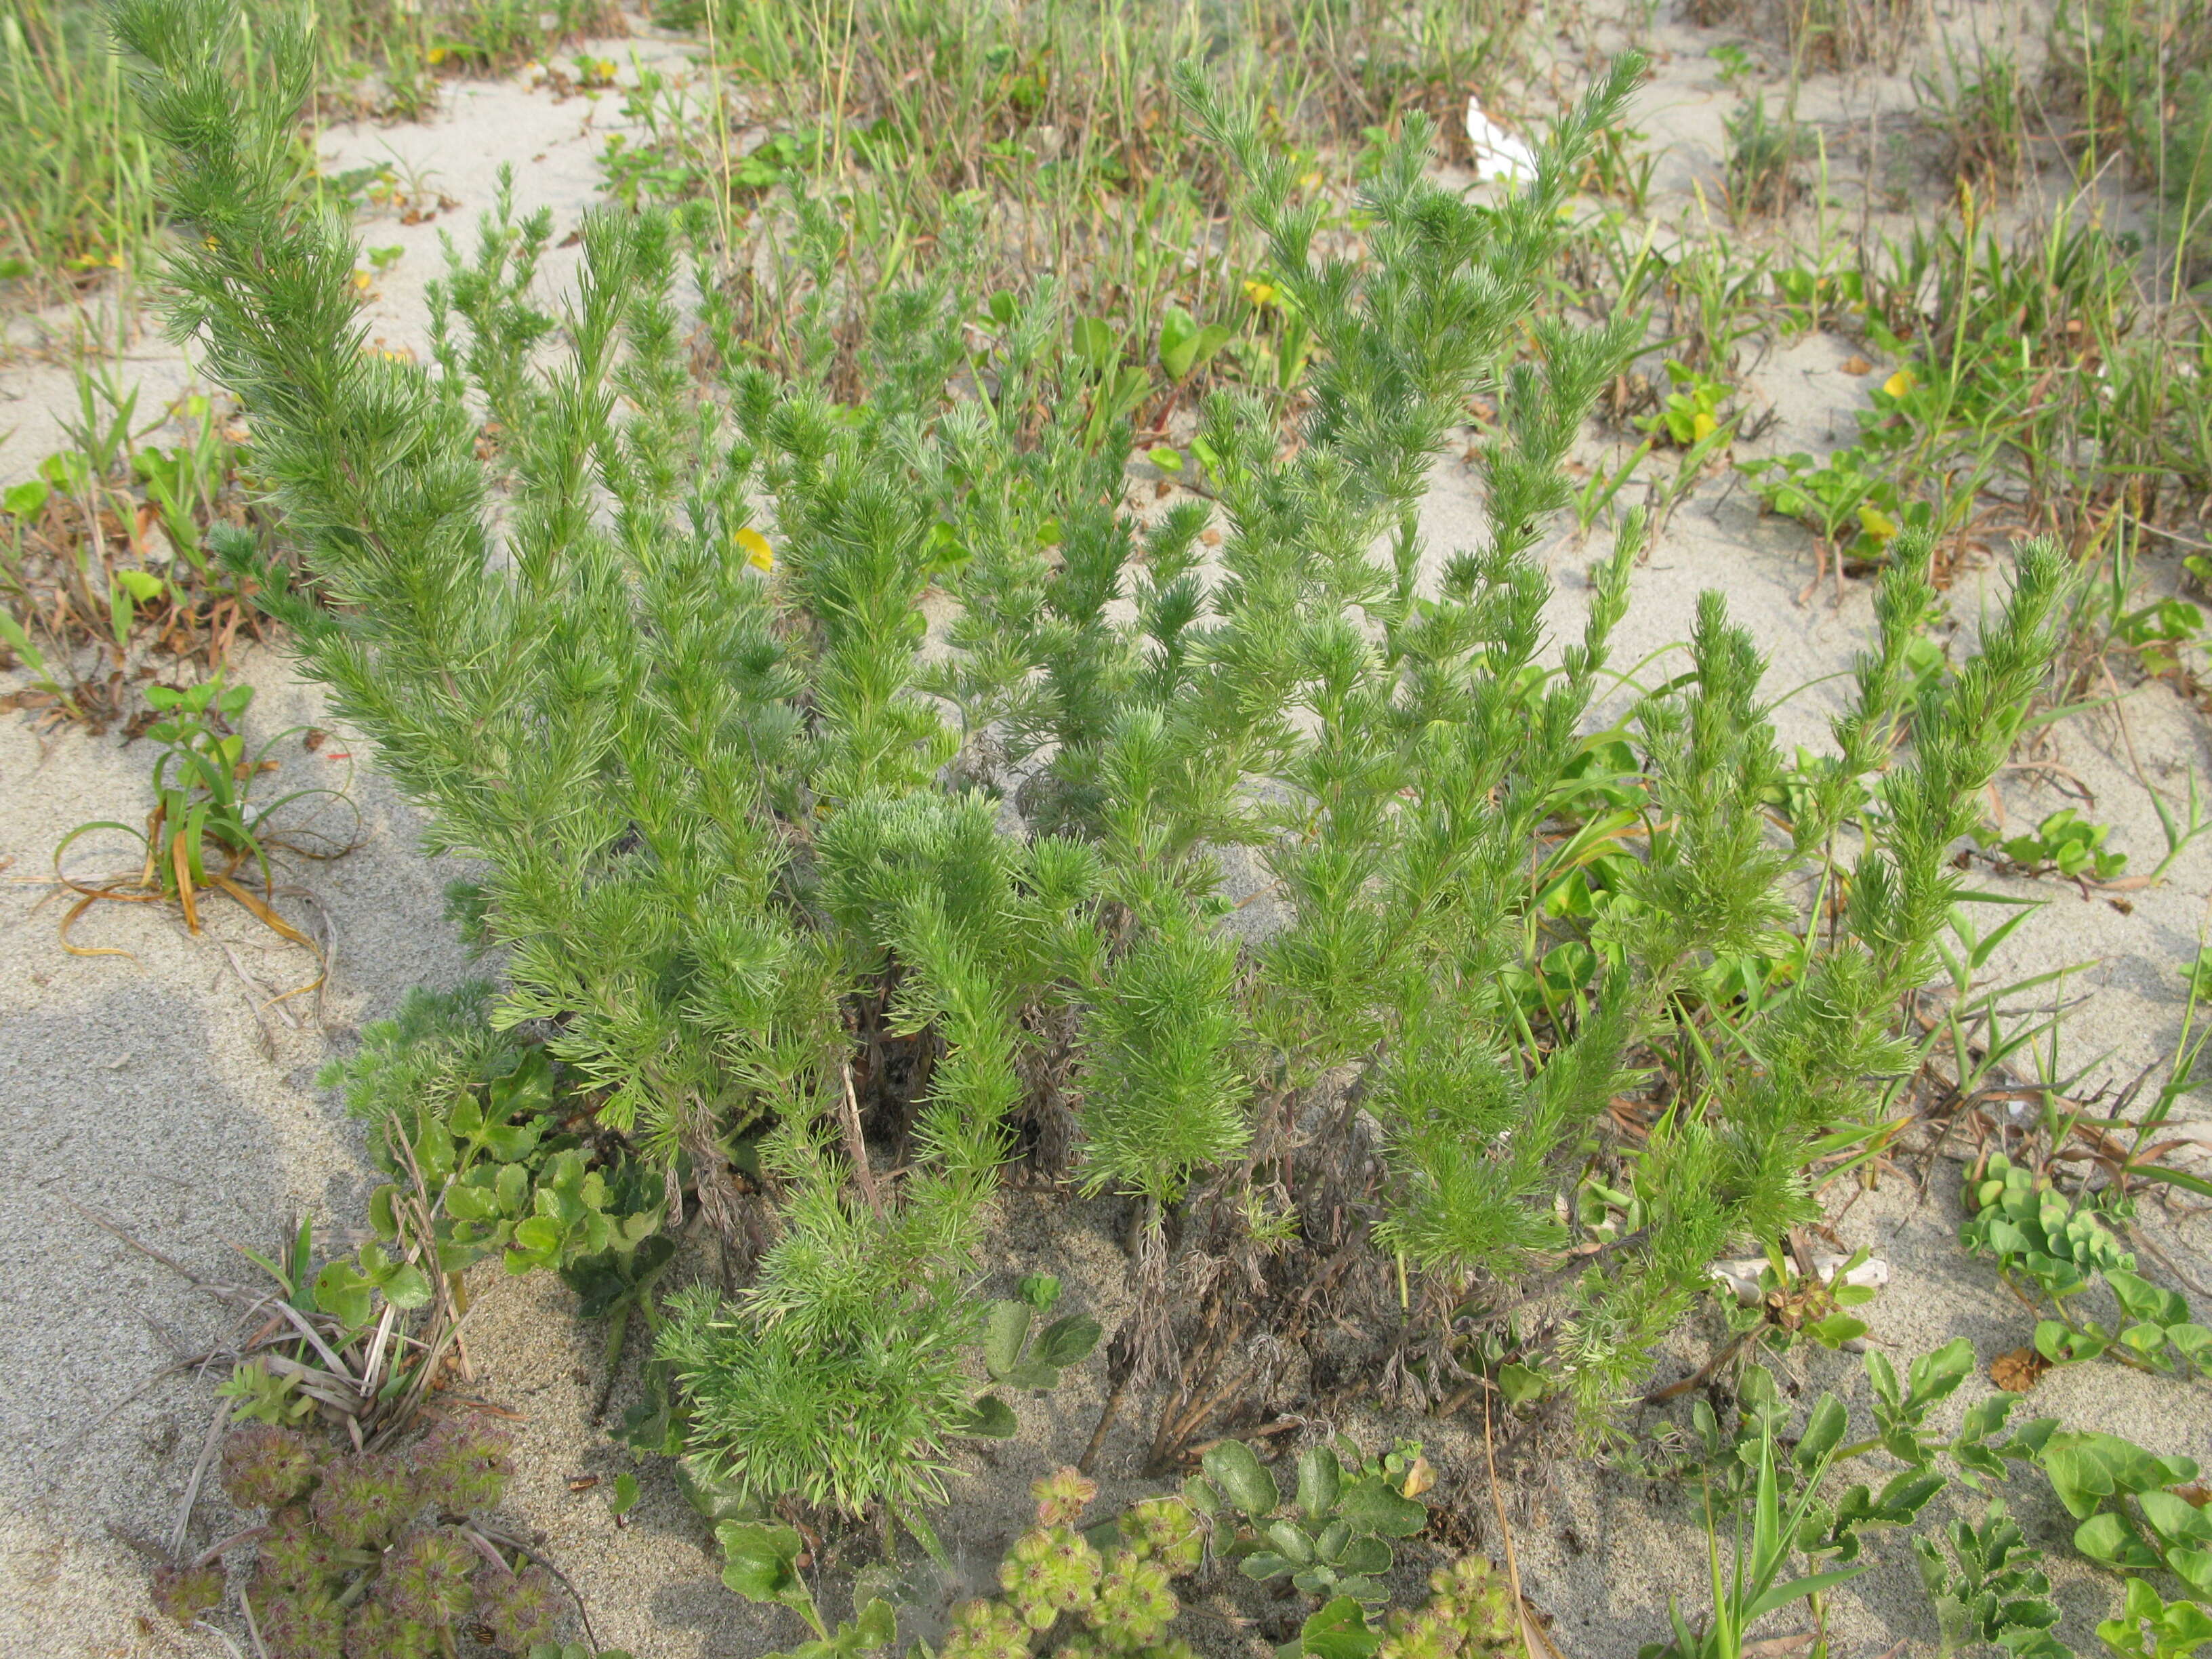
x,y
437,56
1702,427
1899,383
1877,523
758,553
1420,1478
1259,293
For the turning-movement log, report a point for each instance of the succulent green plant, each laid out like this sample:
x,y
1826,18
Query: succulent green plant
x,y
1990,1589
2049,1246
1331,1538
378,1555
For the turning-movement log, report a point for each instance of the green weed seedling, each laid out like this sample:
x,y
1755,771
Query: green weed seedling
x,y
1988,1589
2051,1250
1018,1359
205,827
2158,631
1763,152
2151,1627
1185,346
1855,509
1735,64
1789,1302
761,1562
183,481
1109,1588
1746,1474
1695,409
1603,486
2132,1518
382,1553
1620,166
1783,1508
1332,1538
2068,844
464,1119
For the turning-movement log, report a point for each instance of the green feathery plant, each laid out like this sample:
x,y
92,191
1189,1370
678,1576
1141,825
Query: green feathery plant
x,y
829,926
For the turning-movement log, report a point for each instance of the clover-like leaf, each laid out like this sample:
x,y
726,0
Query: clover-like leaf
x,y
1339,1630
1238,1474
1375,1506
1067,1342
1006,1332
990,1419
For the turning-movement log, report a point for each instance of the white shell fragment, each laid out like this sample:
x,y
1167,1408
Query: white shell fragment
x,y
1741,1276
1498,154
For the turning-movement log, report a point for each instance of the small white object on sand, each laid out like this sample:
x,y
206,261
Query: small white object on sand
x,y
1498,154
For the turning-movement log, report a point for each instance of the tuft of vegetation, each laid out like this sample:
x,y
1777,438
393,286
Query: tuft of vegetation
x,y
748,855
933,724
79,199
382,1555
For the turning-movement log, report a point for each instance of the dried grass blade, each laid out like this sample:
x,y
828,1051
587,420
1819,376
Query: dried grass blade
x,y
208,1447
180,864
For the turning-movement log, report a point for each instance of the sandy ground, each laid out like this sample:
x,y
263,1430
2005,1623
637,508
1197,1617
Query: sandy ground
x,y
146,1089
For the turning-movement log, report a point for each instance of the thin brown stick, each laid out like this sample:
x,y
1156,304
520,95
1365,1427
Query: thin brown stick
x,y
1107,1413
1505,1535
856,1145
518,1546
253,1628
226,1292
208,1446
2166,1262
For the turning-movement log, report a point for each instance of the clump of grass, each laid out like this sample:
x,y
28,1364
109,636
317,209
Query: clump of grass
x,y
1046,134
1980,109
206,833
1836,35
1765,152
107,574
78,201
2137,79
76,191
1843,35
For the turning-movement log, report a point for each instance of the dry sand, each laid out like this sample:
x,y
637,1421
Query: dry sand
x,y
146,1090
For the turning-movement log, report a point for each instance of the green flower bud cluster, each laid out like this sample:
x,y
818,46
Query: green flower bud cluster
x,y
1470,1614
1063,1496
1167,1529
1049,1572
1121,1599
363,1555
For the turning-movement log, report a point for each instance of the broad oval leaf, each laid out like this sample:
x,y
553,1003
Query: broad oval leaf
x,y
1824,1432
1238,1475
1006,1329
990,1419
1067,1342
405,1286
1321,1481
761,1560
1373,1506
2109,1541
1339,1631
